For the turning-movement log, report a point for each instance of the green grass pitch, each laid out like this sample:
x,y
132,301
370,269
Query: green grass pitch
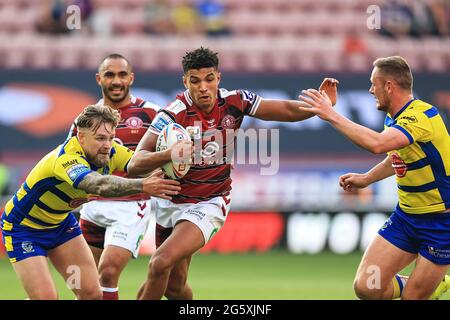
x,y
275,275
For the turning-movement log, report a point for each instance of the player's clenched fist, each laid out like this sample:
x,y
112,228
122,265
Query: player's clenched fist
x,y
349,181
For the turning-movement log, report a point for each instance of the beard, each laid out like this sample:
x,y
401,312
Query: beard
x,y
101,160
383,103
116,99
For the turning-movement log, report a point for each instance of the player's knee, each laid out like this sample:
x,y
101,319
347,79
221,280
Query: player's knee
x,y
92,293
363,291
160,264
109,274
44,294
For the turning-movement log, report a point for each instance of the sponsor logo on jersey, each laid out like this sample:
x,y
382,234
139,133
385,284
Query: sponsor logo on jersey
x,y
399,165
177,106
248,95
161,121
195,132
196,213
75,171
439,253
69,163
386,224
410,119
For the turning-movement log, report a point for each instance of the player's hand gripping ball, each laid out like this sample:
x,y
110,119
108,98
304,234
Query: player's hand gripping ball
x,y
169,136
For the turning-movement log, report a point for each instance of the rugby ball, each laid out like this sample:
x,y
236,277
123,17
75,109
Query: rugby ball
x,y
168,137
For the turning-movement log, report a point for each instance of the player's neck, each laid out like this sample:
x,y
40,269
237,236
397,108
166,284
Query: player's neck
x,y
117,105
400,103
206,111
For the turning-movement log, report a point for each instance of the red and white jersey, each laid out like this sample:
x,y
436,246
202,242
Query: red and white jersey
x,y
135,119
213,135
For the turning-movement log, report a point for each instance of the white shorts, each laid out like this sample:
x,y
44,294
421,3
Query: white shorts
x,y
126,222
209,216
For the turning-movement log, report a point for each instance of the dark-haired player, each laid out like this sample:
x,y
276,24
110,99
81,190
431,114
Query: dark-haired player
x,y
187,222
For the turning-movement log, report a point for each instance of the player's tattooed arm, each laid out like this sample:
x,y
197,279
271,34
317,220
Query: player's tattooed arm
x,y
110,186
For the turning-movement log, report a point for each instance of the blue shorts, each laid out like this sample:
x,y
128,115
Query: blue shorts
x,y
24,242
426,234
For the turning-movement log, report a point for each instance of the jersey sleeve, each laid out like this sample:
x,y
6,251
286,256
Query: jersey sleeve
x,y
250,102
415,125
71,168
120,157
151,109
73,130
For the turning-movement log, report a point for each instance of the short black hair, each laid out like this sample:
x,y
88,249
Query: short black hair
x,y
114,56
200,58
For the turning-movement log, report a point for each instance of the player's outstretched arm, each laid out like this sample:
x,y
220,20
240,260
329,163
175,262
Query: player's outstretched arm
x,y
289,110
375,142
382,170
109,186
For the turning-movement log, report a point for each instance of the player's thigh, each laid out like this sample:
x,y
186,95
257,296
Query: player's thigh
x,y
424,279
186,238
383,260
129,224
75,262
35,276
97,253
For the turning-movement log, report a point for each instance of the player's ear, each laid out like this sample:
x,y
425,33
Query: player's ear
x,y
80,136
132,78
185,82
97,78
219,76
388,86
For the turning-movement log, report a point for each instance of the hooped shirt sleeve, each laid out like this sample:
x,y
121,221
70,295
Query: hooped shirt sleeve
x,y
415,125
71,168
250,102
163,118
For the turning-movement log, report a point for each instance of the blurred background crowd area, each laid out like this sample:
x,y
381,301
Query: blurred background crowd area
x,y
251,35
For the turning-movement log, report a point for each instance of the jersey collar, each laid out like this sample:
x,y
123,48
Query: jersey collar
x,y
403,108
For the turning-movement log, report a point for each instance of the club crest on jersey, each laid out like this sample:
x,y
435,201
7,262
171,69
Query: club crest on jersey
x,y
134,123
228,122
399,165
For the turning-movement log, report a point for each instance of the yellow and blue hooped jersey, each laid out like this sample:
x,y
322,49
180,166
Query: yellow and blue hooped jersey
x,y
423,167
50,191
